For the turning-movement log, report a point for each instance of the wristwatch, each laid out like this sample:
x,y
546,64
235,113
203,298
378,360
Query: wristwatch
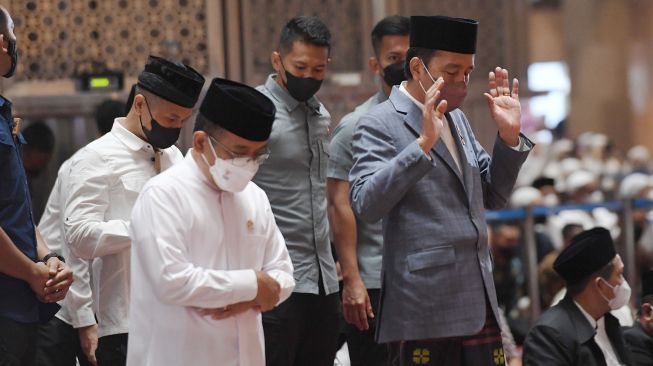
x,y
53,255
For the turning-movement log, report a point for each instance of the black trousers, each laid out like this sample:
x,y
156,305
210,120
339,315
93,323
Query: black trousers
x,y
112,350
17,343
57,344
363,350
303,330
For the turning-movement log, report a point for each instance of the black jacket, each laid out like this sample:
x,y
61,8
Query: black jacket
x,y
640,345
563,336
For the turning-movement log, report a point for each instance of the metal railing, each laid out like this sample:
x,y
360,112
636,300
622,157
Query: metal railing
x,y
528,215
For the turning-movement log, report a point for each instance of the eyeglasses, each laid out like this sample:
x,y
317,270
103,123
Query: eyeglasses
x,y
242,160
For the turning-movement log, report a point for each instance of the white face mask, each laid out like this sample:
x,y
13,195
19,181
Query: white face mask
x,y
621,295
231,175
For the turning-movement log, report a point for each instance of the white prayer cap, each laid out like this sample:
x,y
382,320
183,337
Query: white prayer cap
x,y
633,184
570,165
638,153
579,179
525,196
562,146
585,139
598,140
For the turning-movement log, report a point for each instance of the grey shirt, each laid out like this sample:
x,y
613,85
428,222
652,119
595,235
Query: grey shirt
x,y
294,178
369,241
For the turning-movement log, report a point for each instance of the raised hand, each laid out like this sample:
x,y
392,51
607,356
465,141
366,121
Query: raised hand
x,y
432,117
504,105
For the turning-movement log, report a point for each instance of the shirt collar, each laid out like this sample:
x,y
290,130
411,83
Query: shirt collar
x,y
589,318
402,88
130,140
282,95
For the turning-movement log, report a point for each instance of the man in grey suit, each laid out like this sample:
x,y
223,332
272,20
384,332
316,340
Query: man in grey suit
x,y
419,168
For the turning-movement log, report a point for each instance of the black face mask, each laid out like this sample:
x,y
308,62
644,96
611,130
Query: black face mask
x,y
12,51
159,136
301,89
394,74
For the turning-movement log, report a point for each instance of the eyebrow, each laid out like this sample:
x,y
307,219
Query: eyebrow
x,y
457,66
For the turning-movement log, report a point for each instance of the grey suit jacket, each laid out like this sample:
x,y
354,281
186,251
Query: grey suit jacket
x,y
436,263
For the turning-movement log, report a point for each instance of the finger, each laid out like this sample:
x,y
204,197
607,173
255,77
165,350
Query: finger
x,y
369,310
442,108
52,267
490,100
506,80
499,81
492,81
59,278
57,296
515,88
361,314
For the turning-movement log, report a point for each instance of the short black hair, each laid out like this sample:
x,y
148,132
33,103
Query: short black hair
x,y
106,112
204,124
426,54
604,272
39,137
568,230
130,99
394,25
307,29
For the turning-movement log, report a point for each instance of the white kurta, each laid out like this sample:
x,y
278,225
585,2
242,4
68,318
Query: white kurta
x,y
196,247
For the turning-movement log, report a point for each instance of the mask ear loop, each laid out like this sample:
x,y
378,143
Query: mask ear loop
x,y
215,155
428,73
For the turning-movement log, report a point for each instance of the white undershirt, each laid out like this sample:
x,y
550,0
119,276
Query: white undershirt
x,y
601,338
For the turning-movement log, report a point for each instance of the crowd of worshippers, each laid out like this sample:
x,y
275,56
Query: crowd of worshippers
x,y
223,255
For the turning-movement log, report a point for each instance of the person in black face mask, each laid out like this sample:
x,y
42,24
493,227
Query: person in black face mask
x,y
304,329
32,278
105,178
358,243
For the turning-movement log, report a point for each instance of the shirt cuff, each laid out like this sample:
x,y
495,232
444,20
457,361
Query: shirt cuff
x,y
521,146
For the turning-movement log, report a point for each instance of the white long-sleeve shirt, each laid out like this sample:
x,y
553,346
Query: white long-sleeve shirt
x,y
105,179
77,306
197,247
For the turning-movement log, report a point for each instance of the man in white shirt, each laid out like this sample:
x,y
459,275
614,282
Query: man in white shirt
x,y
580,329
71,336
208,257
105,179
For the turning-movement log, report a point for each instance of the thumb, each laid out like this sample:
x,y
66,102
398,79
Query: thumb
x,y
52,267
489,100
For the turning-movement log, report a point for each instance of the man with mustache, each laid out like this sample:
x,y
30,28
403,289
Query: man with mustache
x,y
418,166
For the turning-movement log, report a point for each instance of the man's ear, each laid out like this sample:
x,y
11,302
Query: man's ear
x,y
415,66
139,104
275,60
373,63
199,139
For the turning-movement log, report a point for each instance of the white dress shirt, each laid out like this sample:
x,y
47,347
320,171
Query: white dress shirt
x,y
105,179
76,308
198,247
601,338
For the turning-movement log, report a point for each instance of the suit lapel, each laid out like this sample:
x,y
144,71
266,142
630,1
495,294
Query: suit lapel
x,y
413,120
465,166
